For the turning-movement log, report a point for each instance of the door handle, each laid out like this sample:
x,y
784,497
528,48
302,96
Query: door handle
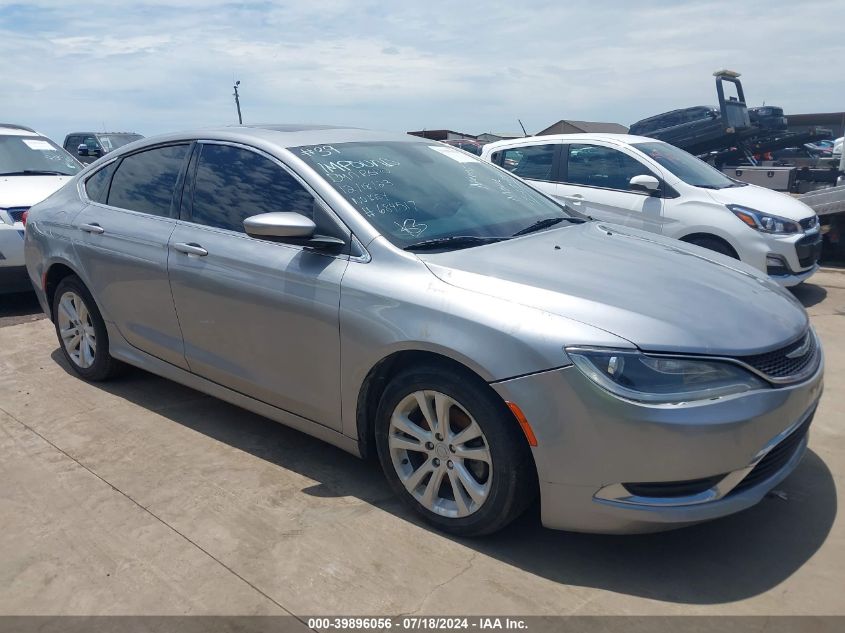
x,y
92,228
190,249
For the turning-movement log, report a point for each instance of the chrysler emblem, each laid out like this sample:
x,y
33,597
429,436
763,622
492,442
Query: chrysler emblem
x,y
800,351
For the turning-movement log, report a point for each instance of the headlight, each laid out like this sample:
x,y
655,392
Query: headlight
x,y
661,380
764,222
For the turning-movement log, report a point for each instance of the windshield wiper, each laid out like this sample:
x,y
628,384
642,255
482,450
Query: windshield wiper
x,y
543,224
34,172
453,241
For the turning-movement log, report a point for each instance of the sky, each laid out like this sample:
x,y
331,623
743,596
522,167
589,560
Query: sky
x,y
166,65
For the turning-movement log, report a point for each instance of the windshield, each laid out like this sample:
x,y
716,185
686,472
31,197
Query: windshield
x,y
111,142
414,192
34,155
685,166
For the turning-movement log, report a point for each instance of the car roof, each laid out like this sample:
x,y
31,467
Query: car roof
x,y
12,129
662,114
282,135
96,133
619,139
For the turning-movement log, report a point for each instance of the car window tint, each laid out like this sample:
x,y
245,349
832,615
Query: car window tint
x,y
533,161
597,166
97,185
232,184
145,181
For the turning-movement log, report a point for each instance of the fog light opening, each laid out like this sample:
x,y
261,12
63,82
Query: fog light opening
x,y
776,265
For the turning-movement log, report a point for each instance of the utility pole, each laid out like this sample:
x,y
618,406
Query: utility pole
x,y
238,103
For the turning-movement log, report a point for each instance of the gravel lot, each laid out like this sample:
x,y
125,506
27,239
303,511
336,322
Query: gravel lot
x,y
140,496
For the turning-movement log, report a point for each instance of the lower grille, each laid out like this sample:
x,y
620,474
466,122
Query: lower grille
x,y
668,489
808,249
776,458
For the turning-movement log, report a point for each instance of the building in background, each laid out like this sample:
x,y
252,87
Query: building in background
x,y
565,126
492,137
442,135
451,135
834,121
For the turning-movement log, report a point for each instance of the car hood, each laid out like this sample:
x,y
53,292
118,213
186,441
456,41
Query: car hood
x,y
25,191
764,200
659,294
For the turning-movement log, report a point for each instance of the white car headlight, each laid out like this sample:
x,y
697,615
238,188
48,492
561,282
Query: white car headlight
x,y
764,222
661,379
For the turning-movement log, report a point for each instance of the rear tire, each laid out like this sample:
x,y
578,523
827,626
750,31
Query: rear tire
x,y
714,244
452,450
82,332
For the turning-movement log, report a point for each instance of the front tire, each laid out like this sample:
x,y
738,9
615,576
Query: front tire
x,y
82,332
452,451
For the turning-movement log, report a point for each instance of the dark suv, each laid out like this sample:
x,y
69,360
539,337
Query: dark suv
x,y
684,127
89,146
768,118
702,129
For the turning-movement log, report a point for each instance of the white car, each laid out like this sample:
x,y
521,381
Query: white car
x,y
648,184
31,168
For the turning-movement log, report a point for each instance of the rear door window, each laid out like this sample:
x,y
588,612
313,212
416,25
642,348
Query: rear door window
x,y
145,181
97,185
533,161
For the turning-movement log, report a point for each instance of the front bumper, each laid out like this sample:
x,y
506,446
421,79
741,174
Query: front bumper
x,y
789,259
793,279
589,443
14,279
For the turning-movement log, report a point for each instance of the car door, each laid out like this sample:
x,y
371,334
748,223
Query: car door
x,y
121,240
258,316
72,144
534,163
594,179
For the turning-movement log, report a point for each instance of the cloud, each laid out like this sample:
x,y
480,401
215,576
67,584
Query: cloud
x,y
156,66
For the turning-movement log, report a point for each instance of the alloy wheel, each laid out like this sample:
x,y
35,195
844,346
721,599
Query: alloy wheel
x,y
440,454
76,329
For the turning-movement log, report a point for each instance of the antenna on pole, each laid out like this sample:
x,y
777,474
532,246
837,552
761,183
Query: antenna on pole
x,y
238,103
523,127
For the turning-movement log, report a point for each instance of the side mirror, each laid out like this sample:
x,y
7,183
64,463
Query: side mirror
x,y
294,228
281,225
82,150
646,184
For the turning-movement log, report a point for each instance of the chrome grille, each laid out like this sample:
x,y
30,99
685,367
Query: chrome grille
x,y
786,362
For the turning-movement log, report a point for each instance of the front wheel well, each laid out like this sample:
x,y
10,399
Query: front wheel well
x,y
52,279
696,238
373,387
377,379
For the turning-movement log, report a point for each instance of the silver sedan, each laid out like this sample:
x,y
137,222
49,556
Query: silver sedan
x,y
396,296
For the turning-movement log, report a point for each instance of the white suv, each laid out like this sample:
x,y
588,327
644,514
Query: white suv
x,y
648,184
31,168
